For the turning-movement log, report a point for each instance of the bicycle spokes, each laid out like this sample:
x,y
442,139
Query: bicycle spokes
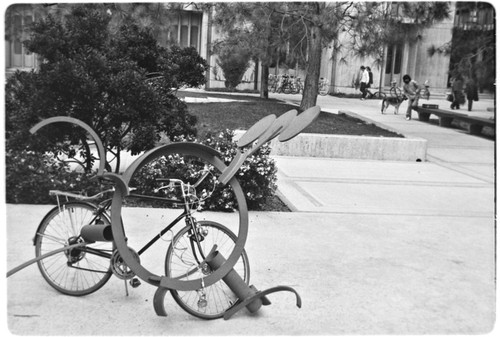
x,y
78,270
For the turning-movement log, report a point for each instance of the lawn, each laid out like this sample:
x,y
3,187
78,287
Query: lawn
x,y
244,111
241,112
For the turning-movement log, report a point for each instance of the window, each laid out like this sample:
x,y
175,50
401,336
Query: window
x,y
394,59
186,30
18,28
18,56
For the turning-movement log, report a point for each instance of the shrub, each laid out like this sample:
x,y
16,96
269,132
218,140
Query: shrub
x,y
30,176
257,175
234,61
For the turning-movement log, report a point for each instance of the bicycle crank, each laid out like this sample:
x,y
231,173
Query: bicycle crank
x,y
122,271
120,268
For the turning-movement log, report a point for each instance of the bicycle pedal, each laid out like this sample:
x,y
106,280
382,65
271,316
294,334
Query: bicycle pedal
x,y
135,282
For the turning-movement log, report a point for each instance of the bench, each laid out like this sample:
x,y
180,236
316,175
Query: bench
x,y
476,124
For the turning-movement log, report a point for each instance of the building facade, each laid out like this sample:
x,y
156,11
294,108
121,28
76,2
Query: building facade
x,y
193,27
18,18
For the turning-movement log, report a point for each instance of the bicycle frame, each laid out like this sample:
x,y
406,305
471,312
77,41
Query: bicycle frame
x,y
185,214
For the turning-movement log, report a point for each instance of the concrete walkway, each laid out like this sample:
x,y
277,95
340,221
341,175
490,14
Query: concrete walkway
x,y
455,160
372,247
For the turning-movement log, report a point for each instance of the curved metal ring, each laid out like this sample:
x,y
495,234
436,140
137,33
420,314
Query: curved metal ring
x,y
261,294
205,153
98,142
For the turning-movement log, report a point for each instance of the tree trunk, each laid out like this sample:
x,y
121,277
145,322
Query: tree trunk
x,y
313,67
264,81
256,71
118,159
87,156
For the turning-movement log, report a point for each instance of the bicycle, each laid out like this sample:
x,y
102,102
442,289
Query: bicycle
x,y
87,266
375,94
395,91
196,270
273,81
285,85
297,86
323,86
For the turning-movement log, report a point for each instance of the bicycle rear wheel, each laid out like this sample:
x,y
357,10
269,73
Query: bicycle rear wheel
x,y
78,271
378,95
181,263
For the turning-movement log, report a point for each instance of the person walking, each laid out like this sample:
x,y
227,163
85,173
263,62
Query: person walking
x,y
370,77
457,87
356,80
363,84
370,81
471,92
412,90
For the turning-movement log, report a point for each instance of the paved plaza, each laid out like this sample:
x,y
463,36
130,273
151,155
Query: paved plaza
x,y
372,247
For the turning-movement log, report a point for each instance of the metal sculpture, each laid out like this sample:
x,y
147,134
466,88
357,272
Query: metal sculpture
x,y
214,265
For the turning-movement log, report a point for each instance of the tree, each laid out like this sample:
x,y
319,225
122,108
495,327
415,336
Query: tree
x,y
472,51
297,26
371,25
254,25
317,19
100,76
233,58
311,26
272,26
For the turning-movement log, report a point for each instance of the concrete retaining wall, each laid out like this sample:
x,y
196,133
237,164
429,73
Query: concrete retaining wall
x,y
336,146
351,147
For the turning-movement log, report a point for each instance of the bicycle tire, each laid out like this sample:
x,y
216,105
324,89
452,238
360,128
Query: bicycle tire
x,y
179,260
205,154
57,229
379,95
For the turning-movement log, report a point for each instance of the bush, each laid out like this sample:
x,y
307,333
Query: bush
x,y
257,175
234,61
30,176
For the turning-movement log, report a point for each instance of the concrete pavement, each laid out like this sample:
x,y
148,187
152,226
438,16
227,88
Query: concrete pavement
x,y
455,160
372,247
357,273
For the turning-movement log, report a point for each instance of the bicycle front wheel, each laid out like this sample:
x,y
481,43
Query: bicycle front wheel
x,y
181,263
78,271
